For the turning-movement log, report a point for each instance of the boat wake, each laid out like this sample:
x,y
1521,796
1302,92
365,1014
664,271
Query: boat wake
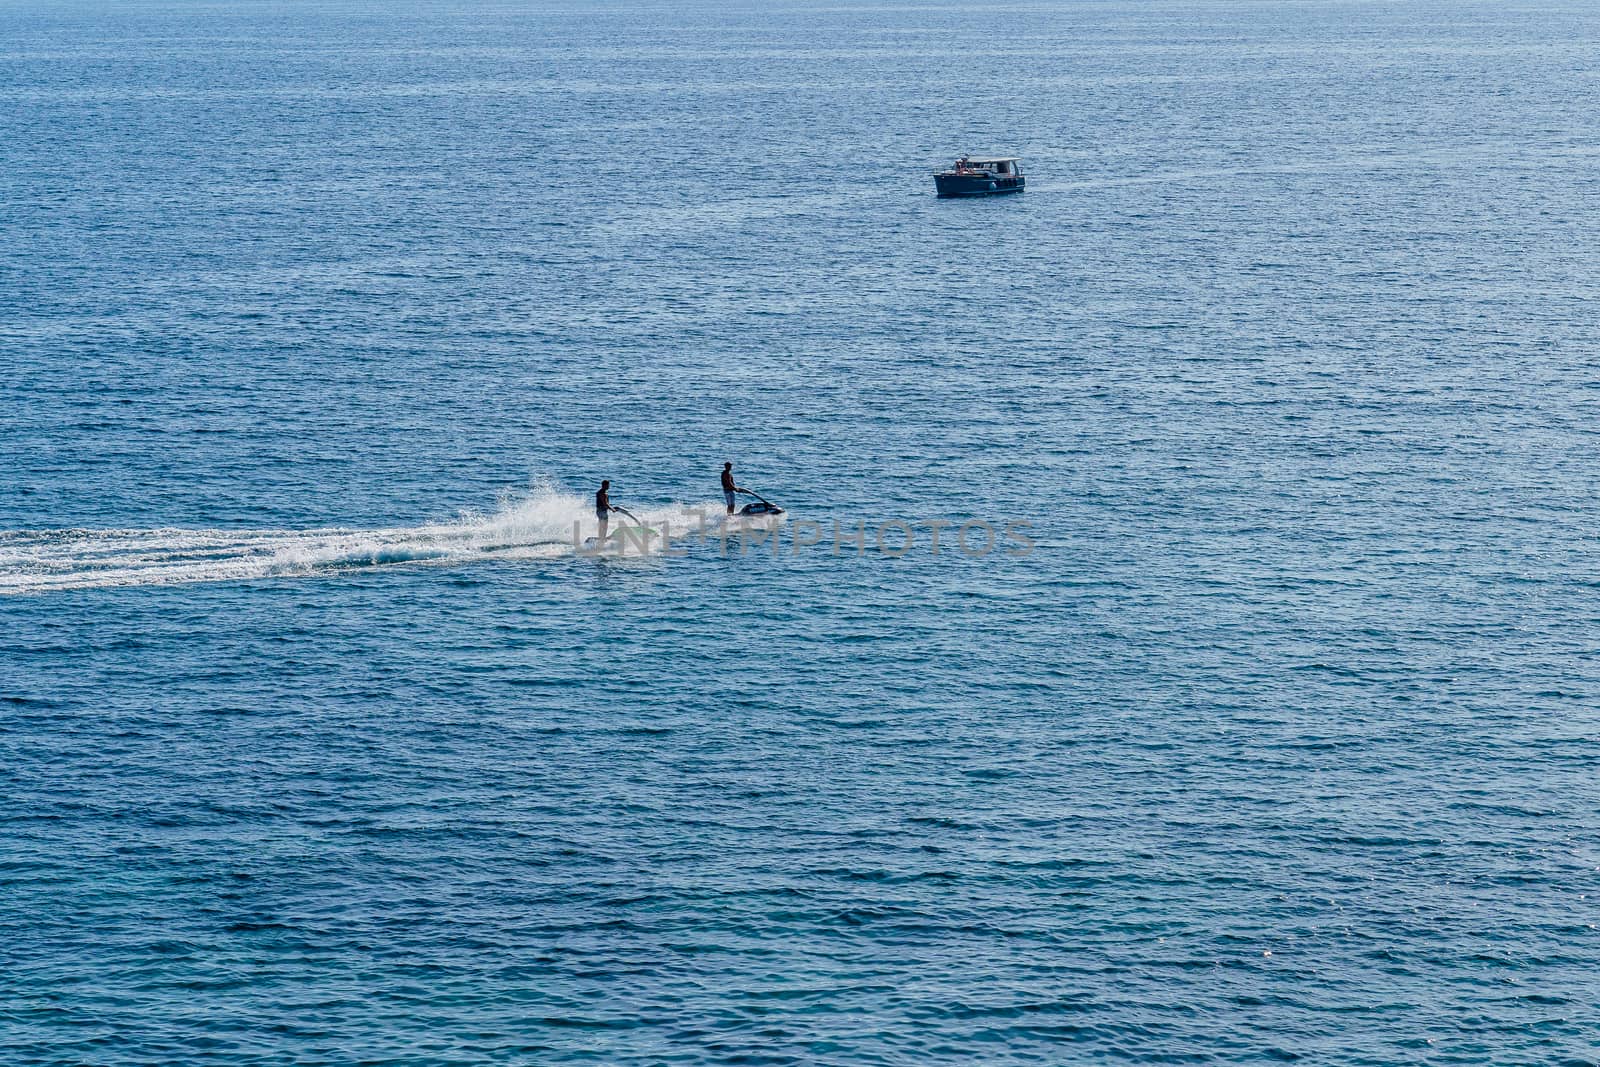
x,y
536,526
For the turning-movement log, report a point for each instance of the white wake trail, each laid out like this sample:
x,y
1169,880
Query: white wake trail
x,y
540,525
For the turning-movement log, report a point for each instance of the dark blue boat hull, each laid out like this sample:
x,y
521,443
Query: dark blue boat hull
x,y
950,185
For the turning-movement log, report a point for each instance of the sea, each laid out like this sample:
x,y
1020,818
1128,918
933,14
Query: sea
x,y
1180,645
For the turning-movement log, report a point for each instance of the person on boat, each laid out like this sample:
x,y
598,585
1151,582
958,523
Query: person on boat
x,y
602,507
728,488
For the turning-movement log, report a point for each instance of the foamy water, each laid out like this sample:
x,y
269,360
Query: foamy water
x,y
543,524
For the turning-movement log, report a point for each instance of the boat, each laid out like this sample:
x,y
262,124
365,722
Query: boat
x,y
987,176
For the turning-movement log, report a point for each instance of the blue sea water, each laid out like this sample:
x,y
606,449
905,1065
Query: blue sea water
x,y
320,744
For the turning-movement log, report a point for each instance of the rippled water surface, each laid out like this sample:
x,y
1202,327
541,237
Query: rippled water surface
x,y
321,743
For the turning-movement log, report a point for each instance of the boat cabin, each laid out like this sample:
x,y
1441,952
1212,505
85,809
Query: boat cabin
x,y
1005,165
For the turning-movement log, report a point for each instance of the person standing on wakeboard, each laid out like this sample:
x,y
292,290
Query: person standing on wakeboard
x,y
728,488
602,507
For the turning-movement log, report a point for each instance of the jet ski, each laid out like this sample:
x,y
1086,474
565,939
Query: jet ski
x,y
638,536
631,535
760,506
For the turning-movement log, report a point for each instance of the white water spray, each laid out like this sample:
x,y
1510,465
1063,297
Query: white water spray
x,y
536,525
